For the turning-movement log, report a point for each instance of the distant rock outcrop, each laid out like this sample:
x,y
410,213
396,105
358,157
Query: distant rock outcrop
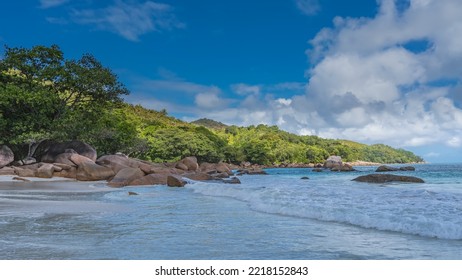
x,y
333,162
386,168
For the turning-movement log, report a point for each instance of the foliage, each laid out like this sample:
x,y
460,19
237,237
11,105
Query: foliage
x,y
53,97
208,123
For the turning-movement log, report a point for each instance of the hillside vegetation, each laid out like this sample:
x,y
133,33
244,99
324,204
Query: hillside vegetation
x,y
44,96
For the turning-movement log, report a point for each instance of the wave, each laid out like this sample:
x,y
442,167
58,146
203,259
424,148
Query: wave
x,y
399,209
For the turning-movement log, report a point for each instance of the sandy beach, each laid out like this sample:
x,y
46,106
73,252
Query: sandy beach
x,y
50,184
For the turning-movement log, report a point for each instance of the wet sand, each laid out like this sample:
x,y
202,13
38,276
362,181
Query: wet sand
x,y
52,184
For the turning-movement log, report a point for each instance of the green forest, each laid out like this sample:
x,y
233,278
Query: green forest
x,y
44,96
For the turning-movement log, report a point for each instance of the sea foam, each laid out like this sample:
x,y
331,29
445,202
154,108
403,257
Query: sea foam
x,y
399,208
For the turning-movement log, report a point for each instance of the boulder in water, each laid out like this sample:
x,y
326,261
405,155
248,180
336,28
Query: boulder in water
x,y
386,178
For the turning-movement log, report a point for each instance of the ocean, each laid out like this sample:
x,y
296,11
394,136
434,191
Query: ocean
x,y
275,216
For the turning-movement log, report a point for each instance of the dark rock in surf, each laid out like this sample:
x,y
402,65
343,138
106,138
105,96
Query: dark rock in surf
x,y
386,178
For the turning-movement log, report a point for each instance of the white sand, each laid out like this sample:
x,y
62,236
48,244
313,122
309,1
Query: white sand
x,y
9,178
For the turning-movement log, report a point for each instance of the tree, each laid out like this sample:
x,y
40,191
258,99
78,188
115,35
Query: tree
x,y
46,95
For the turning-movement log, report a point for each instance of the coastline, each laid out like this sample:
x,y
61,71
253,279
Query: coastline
x,y
7,183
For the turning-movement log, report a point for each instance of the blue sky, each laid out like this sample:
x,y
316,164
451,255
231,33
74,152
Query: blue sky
x,y
373,71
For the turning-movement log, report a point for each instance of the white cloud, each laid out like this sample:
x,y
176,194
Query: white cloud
x,y
455,142
45,4
308,7
368,85
130,19
244,89
209,100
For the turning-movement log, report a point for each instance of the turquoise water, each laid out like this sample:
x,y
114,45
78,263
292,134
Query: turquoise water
x,y
277,216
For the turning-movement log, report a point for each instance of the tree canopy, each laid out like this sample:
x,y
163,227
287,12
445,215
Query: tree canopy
x,y
44,95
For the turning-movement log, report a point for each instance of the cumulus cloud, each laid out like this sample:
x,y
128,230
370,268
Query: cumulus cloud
x,y
370,83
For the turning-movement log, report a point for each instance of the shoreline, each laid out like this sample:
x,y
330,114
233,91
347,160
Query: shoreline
x,y
7,183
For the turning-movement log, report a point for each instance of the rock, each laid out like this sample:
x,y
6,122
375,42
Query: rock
x,y
125,176
146,168
53,149
57,168
79,160
62,166
29,160
407,168
21,179
64,158
17,163
6,156
182,166
115,162
232,180
217,175
198,176
191,163
333,161
344,168
132,193
252,171
304,178
207,167
45,170
151,179
317,170
175,181
25,172
118,162
7,171
223,168
386,168
67,173
90,171
385,178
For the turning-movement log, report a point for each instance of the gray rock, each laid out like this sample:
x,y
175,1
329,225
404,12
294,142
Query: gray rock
x,y
6,155
175,181
53,149
386,168
125,176
386,178
45,170
7,171
232,180
407,168
333,161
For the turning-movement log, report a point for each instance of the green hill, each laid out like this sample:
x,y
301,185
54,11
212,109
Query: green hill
x,y
208,123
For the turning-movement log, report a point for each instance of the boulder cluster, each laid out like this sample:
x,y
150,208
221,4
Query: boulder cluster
x,y
78,160
334,163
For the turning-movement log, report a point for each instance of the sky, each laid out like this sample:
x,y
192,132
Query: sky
x,y
373,71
